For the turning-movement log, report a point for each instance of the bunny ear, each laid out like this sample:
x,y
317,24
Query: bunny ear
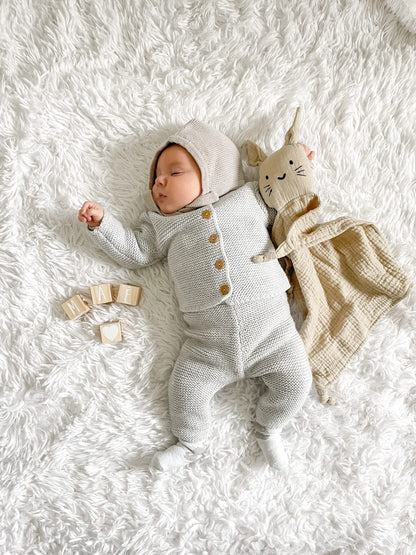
x,y
255,155
292,136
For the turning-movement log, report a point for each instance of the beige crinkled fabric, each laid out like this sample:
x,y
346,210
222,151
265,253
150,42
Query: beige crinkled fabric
x,y
346,279
343,275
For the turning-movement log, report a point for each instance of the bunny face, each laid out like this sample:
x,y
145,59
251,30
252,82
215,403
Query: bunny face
x,y
284,175
287,173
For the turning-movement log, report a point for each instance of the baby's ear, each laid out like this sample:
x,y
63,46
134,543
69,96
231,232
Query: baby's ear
x,y
255,155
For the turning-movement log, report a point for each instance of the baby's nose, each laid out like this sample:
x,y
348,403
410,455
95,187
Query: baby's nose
x,y
161,180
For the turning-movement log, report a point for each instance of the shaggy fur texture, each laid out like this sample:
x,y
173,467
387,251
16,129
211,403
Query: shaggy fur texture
x,y
88,90
405,10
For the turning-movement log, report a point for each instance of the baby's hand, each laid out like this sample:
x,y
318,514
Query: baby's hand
x,y
91,213
309,153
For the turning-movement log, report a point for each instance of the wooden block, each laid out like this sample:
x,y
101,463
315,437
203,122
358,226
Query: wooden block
x,y
129,294
75,307
101,294
111,332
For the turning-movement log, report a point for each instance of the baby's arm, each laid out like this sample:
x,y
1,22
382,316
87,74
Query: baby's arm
x,y
132,249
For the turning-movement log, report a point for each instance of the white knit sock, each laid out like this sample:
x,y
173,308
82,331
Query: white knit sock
x,y
175,456
273,450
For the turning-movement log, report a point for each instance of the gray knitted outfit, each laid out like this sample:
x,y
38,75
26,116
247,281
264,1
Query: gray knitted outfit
x,y
238,322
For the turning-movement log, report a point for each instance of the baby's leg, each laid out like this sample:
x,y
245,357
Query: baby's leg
x,y
193,383
288,378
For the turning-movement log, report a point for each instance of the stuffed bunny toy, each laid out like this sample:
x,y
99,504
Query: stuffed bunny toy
x,y
343,277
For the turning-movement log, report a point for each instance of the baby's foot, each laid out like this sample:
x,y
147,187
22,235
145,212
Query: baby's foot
x,y
272,446
175,456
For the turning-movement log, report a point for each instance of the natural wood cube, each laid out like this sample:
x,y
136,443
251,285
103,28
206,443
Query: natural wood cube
x,y
111,332
101,293
75,307
129,294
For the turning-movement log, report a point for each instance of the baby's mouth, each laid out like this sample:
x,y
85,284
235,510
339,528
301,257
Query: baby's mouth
x,y
283,176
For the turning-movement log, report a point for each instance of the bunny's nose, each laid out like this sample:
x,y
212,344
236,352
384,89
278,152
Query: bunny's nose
x,y
283,176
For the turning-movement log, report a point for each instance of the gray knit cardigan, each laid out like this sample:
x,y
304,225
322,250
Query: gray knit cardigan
x,y
208,249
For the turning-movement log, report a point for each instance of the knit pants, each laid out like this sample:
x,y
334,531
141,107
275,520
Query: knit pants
x,y
226,343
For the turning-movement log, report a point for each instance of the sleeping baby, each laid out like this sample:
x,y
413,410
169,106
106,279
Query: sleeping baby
x,y
201,216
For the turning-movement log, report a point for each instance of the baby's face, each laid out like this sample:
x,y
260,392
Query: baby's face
x,y
178,180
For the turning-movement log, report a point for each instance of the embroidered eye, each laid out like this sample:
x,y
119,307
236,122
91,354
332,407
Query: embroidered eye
x,y
267,177
290,161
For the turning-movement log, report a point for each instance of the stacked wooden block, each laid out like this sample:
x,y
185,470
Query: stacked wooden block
x,y
111,332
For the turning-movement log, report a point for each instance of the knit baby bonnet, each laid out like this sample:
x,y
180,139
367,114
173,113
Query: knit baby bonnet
x,y
217,156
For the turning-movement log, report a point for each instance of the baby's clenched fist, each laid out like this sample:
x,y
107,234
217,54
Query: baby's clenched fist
x,y
91,213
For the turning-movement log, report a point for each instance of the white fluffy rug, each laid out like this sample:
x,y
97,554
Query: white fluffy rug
x,y
88,91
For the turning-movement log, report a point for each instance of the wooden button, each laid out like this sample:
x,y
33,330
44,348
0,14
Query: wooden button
x,y
213,238
206,214
225,289
219,264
